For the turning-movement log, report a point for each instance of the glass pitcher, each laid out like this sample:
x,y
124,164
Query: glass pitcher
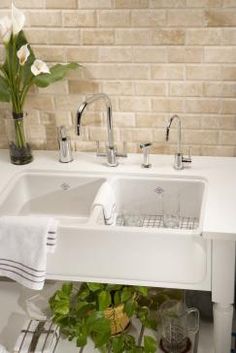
x,y
177,323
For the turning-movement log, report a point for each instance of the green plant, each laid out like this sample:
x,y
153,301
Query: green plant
x,y
81,313
21,69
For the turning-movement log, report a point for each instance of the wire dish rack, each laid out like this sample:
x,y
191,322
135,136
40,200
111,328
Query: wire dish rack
x,y
154,221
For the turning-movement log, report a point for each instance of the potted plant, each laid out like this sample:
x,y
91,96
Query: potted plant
x,y
103,312
20,70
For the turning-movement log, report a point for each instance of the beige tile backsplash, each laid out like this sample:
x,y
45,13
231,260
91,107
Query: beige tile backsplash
x,y
153,58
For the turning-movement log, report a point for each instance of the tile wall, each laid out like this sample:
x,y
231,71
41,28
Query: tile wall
x,y
154,58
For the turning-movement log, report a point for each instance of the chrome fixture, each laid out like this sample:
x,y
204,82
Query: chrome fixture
x,y
180,160
64,143
145,147
111,152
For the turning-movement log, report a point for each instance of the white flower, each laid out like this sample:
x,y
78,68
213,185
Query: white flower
x,y
18,19
23,53
6,28
39,67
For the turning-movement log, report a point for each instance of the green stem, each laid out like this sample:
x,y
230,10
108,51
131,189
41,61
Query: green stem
x,y
19,130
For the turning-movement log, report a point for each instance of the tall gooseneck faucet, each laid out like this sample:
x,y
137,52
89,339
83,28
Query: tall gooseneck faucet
x,y
179,132
111,150
179,158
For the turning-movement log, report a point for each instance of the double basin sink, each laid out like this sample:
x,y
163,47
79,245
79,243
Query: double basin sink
x,y
137,247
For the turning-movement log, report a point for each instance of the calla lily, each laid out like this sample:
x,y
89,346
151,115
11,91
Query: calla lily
x,y
18,20
23,53
39,67
6,28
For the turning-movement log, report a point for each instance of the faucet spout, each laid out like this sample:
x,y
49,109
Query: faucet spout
x,y
111,153
79,116
180,160
179,131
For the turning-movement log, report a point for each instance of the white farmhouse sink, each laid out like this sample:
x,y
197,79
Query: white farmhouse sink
x,y
92,250
67,197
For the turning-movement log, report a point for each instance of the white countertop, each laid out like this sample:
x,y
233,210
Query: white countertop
x,y
220,173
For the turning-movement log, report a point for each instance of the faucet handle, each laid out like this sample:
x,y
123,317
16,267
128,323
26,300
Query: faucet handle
x,y
187,159
145,147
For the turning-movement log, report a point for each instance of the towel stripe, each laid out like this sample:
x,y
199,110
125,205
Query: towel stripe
x,y
19,263
22,276
3,266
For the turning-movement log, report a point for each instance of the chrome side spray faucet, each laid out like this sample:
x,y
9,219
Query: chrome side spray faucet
x,y
179,160
111,152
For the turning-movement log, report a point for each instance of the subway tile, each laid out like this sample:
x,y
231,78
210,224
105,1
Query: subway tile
x,y
203,105
186,18
109,18
168,37
131,4
220,54
151,88
220,18
186,89
94,4
178,54
148,18
79,18
203,72
150,54
132,36
115,54
167,72
61,4
206,36
97,36
167,4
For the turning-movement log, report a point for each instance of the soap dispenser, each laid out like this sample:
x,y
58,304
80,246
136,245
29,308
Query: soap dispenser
x,y
64,143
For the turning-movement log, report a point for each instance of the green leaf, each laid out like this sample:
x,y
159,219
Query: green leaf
x,y
116,298
4,91
104,300
118,344
67,289
61,307
57,72
129,342
142,290
126,294
130,307
95,286
150,345
81,337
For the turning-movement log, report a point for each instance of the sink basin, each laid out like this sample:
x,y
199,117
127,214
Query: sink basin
x,y
140,201
67,197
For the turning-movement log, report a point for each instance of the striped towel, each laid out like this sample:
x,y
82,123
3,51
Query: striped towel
x,y
38,337
24,243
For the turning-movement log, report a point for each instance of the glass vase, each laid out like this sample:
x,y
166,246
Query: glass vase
x,y
19,148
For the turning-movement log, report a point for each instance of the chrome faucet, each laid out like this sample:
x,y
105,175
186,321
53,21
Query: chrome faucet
x,y
111,151
64,143
179,158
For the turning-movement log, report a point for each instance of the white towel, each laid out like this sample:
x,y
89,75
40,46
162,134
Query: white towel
x,y
106,199
24,243
37,336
